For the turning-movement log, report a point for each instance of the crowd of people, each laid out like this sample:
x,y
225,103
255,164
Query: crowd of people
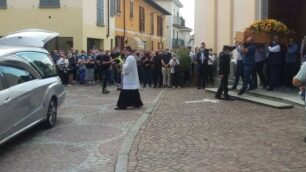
x,y
271,66
274,64
158,69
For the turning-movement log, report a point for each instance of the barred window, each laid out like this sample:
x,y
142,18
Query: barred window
x,y
100,12
49,3
3,4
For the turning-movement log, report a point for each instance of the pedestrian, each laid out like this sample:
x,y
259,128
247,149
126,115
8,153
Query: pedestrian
x,y
90,70
300,81
274,62
157,69
175,71
224,71
104,61
238,65
248,65
260,57
63,64
146,66
202,65
210,68
81,67
291,62
166,71
129,94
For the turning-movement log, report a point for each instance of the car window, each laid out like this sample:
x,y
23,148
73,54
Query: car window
x,y
15,76
41,62
1,82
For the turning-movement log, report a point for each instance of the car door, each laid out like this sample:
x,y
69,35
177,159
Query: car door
x,y
6,119
21,87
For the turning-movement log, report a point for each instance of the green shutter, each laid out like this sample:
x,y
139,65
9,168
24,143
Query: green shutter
x,y
3,4
112,8
100,12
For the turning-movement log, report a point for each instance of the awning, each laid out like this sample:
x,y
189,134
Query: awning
x,y
136,43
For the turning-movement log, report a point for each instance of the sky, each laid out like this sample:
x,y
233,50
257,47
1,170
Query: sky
x,y
188,12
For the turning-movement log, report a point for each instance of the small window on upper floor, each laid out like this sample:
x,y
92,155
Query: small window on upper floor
x,y
49,3
3,4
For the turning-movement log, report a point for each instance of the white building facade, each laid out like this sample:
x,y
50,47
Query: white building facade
x,y
216,21
178,33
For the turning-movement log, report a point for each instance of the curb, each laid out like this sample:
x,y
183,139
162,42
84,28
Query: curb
x,y
122,160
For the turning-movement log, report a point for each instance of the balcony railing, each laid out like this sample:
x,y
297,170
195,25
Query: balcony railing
x,y
176,43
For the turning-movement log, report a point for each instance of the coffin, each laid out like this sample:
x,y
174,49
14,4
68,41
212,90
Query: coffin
x,y
262,37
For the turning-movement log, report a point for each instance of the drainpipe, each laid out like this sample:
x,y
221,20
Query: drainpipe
x,y
108,18
124,27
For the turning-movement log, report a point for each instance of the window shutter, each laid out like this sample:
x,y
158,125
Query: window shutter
x,y
112,8
49,3
100,12
3,4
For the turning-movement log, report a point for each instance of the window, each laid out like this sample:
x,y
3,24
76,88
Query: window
x,y
15,76
152,22
41,62
100,12
131,9
3,4
159,26
112,8
49,3
1,81
141,19
118,6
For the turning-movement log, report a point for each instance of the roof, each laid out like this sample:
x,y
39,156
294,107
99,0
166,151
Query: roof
x,y
182,27
156,6
179,3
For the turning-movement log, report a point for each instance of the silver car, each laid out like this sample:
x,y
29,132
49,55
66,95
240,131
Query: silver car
x,y
30,89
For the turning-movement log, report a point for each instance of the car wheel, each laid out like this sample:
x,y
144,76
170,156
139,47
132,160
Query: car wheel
x,y
51,114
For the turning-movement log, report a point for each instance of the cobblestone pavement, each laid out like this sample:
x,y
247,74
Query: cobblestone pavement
x,y
87,138
218,137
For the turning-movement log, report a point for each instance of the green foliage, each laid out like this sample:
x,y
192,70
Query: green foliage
x,y
183,57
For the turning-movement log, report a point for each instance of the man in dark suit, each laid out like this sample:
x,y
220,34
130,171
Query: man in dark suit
x,y
224,70
202,65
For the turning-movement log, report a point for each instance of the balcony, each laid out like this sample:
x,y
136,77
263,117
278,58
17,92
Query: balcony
x,y
176,43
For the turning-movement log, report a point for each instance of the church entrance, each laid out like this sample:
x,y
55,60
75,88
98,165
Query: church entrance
x,y
292,13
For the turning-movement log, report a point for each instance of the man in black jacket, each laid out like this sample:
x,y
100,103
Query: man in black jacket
x,y
224,70
202,65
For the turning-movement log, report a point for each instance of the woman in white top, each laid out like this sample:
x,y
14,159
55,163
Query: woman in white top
x,y
175,65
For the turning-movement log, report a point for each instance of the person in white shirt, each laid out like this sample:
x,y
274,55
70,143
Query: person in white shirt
x,y
129,94
175,65
274,62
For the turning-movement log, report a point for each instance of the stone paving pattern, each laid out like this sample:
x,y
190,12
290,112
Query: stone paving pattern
x,y
219,137
87,138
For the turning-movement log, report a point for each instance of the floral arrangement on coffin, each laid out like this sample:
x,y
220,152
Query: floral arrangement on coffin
x,y
263,31
269,26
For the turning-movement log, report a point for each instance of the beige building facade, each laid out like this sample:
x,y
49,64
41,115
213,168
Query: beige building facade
x,y
216,21
82,24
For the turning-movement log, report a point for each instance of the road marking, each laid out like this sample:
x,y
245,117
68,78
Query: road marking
x,y
202,101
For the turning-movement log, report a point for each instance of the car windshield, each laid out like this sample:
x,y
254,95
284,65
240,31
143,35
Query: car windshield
x,y
41,62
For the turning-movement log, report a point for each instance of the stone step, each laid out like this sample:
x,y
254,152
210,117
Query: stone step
x,y
257,100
